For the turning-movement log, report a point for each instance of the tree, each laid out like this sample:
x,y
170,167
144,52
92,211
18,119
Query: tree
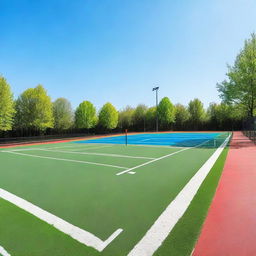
x,y
34,109
125,117
181,117
62,113
7,109
197,113
138,117
85,115
108,116
151,118
166,113
212,116
240,88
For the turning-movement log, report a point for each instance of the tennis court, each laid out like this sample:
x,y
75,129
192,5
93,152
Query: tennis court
x,y
103,197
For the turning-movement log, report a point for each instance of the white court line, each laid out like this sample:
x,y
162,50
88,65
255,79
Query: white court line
x,y
159,158
97,154
155,146
77,233
65,159
175,210
80,146
4,252
149,162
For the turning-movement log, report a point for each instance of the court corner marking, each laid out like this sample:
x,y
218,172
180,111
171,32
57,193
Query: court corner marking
x,y
75,232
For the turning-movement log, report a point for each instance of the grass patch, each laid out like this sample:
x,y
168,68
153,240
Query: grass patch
x,y
182,239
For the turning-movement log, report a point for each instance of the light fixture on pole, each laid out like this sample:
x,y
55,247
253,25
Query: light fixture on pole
x,y
156,89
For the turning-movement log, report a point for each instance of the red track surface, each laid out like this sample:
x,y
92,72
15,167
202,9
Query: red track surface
x,y
230,227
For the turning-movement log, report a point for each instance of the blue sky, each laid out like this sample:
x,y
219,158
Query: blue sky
x,y
117,50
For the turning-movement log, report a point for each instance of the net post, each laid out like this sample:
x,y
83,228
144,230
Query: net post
x,y
126,137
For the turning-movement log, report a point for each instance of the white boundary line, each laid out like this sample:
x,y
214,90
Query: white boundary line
x,y
175,210
160,158
155,146
77,233
80,146
96,154
149,162
4,252
67,160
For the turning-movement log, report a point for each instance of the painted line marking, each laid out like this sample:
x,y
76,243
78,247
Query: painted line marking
x,y
75,232
155,146
97,154
149,162
67,160
4,252
144,140
175,210
79,145
131,172
160,158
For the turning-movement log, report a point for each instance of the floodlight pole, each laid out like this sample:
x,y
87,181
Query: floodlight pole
x,y
156,89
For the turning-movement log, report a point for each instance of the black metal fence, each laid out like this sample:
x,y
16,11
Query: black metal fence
x,y
249,128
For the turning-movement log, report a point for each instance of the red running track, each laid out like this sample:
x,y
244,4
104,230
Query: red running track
x,y
230,227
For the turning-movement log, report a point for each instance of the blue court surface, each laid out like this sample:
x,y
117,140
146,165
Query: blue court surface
x,y
188,139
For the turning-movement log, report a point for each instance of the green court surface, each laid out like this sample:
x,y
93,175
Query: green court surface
x,y
101,189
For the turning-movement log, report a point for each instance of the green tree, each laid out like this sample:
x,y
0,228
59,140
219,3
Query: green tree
x,y
240,88
197,114
34,109
62,113
166,113
125,118
212,116
181,117
139,116
7,109
108,116
85,115
151,118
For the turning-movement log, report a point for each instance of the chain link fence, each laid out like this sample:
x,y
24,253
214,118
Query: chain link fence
x,y
249,128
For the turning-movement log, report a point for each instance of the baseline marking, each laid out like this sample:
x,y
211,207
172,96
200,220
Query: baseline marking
x,y
96,154
175,210
75,232
80,146
65,159
4,252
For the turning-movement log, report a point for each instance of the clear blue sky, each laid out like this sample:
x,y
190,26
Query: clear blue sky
x,y
117,50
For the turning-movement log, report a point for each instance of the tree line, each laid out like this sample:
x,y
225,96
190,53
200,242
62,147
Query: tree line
x,y
34,113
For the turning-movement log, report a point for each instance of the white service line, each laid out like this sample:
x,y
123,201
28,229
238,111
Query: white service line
x,y
88,148
160,158
97,154
80,146
4,252
75,232
149,162
155,146
67,160
175,210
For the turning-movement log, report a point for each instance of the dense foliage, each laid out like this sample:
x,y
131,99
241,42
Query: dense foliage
x,y
63,114
6,106
108,117
85,115
240,88
34,109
